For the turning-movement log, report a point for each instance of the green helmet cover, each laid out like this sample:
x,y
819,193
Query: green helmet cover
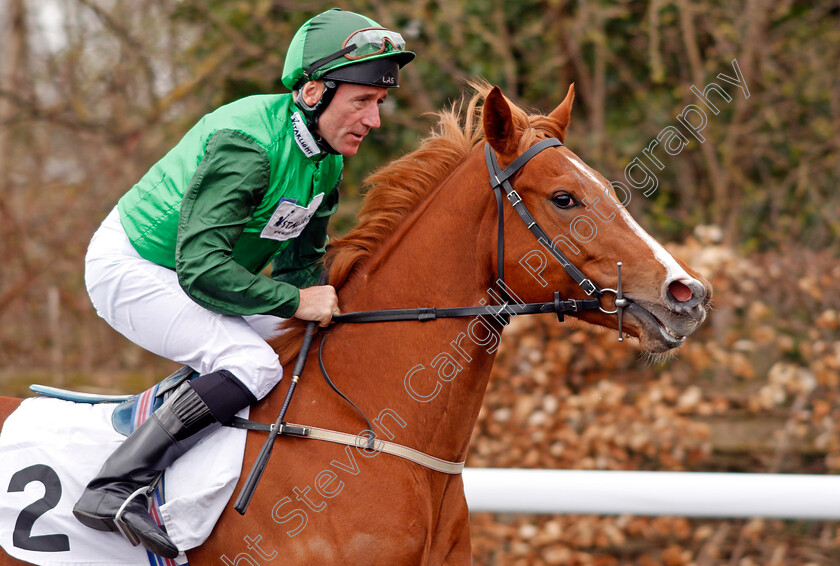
x,y
322,36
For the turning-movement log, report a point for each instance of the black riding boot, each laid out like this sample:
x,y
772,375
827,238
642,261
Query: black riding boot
x,y
117,499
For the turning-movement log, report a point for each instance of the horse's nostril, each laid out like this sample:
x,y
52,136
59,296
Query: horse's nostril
x,y
680,291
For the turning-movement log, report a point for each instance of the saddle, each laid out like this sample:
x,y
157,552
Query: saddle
x,y
128,413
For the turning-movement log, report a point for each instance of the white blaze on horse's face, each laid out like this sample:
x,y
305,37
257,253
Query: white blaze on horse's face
x,y
673,269
667,300
668,310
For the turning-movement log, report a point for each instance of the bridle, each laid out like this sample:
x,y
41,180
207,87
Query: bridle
x,y
500,181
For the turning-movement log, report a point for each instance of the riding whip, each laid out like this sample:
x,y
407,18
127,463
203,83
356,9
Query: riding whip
x,y
261,462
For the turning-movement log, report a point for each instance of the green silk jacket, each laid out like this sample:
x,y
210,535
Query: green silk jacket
x,y
245,186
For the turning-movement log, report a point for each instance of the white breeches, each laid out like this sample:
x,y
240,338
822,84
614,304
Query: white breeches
x,y
144,302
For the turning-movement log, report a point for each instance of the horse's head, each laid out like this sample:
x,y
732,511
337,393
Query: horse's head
x,y
579,209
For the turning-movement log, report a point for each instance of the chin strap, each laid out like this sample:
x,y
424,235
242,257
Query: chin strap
x,y
313,113
322,143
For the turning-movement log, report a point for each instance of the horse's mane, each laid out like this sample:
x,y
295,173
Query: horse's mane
x,y
395,190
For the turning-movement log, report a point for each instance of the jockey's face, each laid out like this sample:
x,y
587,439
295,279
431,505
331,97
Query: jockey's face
x,y
352,113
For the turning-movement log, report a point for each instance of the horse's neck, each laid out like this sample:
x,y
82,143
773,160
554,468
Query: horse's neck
x,y
441,258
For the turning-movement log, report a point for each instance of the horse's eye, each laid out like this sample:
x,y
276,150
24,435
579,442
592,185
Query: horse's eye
x,y
563,200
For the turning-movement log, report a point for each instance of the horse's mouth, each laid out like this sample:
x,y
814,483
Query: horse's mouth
x,y
658,335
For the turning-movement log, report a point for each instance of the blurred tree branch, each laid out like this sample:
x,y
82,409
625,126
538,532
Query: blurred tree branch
x,y
720,201
135,47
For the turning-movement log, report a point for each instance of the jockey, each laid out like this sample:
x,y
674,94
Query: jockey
x,y
176,266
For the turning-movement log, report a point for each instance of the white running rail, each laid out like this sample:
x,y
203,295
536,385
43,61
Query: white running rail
x,y
687,494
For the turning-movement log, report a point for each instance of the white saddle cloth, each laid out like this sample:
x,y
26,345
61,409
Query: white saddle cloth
x,y
50,449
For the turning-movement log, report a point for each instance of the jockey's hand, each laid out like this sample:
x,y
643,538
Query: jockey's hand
x,y
318,303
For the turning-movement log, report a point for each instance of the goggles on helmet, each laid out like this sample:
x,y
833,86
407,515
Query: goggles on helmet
x,y
362,43
372,41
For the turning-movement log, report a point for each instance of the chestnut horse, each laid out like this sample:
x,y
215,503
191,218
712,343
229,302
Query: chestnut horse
x,y
427,237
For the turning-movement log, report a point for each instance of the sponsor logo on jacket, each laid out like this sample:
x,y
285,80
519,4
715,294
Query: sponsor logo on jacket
x,y
289,220
303,137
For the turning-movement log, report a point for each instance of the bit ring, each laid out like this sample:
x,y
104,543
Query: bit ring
x,y
617,299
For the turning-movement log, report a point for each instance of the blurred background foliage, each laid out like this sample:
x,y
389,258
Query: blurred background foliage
x,y
92,92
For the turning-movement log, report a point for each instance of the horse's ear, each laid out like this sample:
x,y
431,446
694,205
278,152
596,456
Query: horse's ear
x,y
499,129
563,113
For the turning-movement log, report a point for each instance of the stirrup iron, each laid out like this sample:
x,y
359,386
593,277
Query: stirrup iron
x,y
121,525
